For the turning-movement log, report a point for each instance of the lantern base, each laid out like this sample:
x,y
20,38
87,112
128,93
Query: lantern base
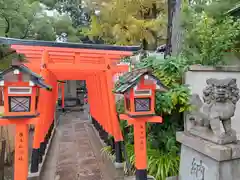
x,y
141,174
21,116
141,115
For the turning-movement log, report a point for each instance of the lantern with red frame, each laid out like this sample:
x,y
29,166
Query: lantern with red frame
x,y
138,88
21,90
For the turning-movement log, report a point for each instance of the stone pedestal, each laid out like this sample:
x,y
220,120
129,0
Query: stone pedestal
x,y
208,135
204,160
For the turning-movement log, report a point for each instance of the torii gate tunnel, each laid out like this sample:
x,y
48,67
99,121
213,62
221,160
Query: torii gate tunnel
x,y
97,64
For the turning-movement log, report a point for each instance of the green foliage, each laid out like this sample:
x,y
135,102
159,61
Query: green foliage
x,y
214,8
160,164
207,40
79,14
28,19
128,22
209,33
7,55
170,72
16,17
43,29
74,8
107,153
63,24
177,99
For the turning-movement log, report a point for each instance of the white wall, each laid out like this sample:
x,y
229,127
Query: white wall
x,y
196,79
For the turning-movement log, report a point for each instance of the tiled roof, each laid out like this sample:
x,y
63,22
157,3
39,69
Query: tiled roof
x,y
4,40
234,10
37,79
130,79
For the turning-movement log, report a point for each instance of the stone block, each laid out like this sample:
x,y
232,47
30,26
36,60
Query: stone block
x,y
235,150
204,160
215,151
134,178
119,175
172,178
210,136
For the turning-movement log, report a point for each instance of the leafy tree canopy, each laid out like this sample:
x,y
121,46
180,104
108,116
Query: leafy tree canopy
x,y
16,17
214,8
74,8
29,19
128,22
209,32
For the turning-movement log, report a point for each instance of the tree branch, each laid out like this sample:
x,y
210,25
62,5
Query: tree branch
x,y
7,29
4,55
28,27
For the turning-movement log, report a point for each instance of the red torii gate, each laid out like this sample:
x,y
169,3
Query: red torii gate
x,y
96,64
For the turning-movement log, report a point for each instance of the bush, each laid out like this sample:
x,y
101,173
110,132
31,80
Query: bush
x,y
208,39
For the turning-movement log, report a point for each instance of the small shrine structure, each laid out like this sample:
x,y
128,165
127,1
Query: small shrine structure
x,y
139,87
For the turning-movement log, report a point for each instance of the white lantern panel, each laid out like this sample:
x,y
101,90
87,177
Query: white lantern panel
x,y
20,104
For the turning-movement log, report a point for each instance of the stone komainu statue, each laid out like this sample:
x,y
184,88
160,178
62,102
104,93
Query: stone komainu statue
x,y
212,118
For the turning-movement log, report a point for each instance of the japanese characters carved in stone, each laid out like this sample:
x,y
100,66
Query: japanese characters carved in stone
x,y
211,119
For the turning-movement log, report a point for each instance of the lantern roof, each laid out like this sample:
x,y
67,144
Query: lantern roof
x,y
131,79
235,11
35,78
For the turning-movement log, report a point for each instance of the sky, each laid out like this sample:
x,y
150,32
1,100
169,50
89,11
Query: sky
x,y
54,12
49,12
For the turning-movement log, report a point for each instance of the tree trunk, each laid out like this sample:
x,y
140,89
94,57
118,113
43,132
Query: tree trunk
x,y
171,7
177,31
151,15
145,44
154,16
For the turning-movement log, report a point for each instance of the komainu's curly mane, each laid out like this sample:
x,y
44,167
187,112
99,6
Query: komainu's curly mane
x,y
213,85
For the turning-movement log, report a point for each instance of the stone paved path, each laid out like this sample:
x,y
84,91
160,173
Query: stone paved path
x,y
71,156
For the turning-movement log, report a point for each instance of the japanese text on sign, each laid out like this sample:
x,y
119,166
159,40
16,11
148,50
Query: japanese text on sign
x,y
197,169
21,147
142,137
